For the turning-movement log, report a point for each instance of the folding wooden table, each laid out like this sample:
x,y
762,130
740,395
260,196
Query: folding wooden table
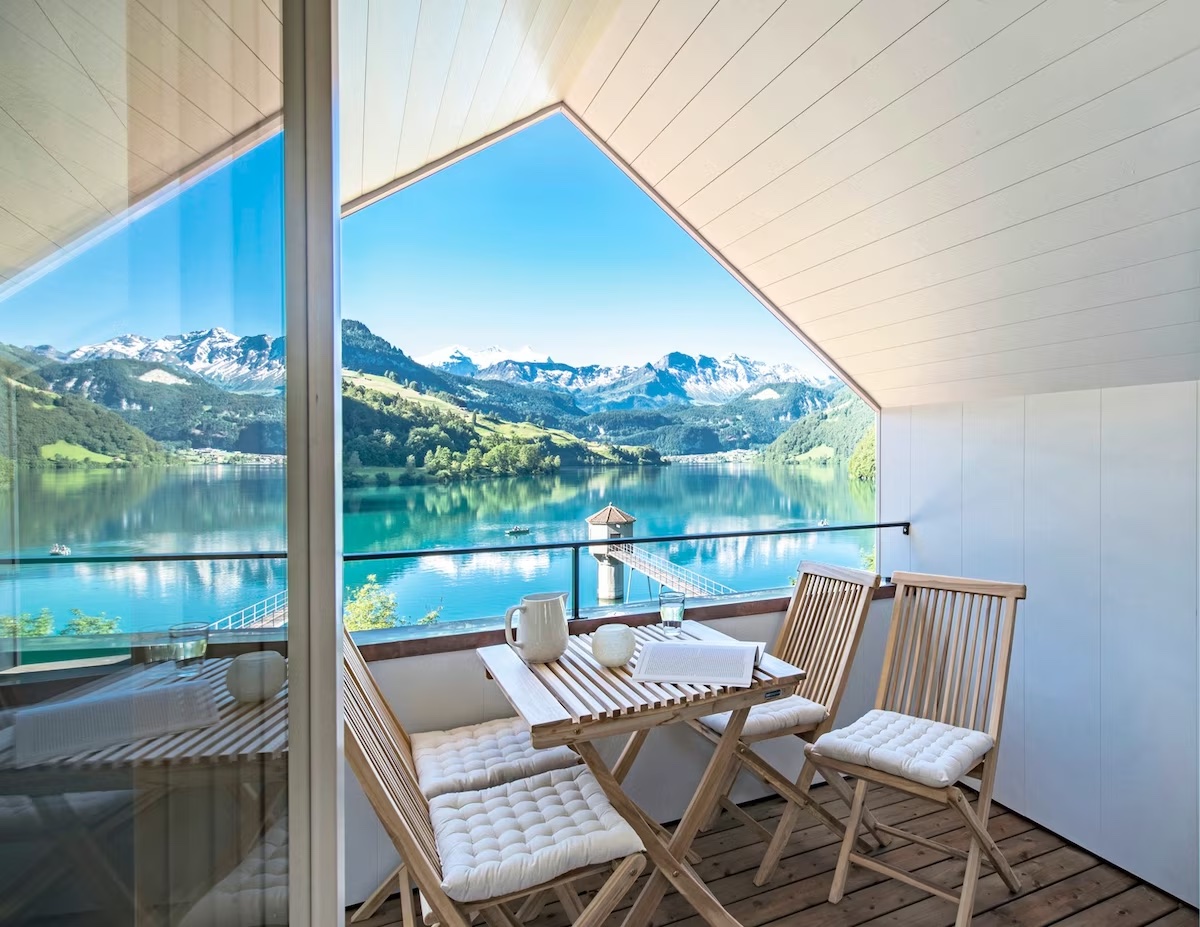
x,y
576,701
245,753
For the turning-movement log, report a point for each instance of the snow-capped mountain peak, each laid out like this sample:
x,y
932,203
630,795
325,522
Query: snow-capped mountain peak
x,y
675,378
250,364
459,359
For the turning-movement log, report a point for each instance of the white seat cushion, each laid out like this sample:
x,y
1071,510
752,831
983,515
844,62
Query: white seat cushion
x,y
794,711
917,749
482,755
255,893
512,837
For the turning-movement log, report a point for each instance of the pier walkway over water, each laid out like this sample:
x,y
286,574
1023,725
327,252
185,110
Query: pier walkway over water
x,y
271,612
669,574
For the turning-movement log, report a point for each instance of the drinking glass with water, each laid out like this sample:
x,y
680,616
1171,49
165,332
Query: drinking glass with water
x,y
189,643
670,611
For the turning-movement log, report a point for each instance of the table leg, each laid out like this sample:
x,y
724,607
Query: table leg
x,y
668,857
633,746
92,864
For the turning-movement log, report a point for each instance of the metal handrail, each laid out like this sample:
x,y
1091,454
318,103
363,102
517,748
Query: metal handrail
x,y
576,546
368,556
251,613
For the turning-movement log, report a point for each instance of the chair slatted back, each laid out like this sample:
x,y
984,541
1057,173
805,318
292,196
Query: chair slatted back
x,y
949,648
823,626
350,652
379,755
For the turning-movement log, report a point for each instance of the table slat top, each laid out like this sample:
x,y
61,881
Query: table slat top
x,y
244,733
575,698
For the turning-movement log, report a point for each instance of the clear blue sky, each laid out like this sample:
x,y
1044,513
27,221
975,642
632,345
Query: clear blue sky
x,y
210,257
537,240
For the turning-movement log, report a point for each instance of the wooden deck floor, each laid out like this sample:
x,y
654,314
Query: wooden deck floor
x,y
1060,883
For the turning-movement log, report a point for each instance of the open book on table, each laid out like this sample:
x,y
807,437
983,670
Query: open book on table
x,y
710,663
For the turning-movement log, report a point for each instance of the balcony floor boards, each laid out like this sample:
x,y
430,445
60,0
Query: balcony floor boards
x,y
1061,884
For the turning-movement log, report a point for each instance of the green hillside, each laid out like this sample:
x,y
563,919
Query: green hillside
x,y
412,436
745,422
175,406
42,429
366,352
830,434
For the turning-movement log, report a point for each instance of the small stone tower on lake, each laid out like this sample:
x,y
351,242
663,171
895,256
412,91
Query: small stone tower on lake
x,y
609,524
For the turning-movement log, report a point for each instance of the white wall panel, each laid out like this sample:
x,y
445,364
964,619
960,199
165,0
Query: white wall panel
x,y
1148,630
1062,613
936,482
993,547
894,442
1090,498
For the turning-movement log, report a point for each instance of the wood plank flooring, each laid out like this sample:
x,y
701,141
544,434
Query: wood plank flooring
x,y
1060,883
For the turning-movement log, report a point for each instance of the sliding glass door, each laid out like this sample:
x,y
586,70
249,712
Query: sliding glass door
x,y
158,231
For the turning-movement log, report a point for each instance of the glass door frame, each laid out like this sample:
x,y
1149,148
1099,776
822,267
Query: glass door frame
x,y
314,435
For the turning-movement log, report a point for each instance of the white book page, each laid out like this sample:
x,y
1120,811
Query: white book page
x,y
711,663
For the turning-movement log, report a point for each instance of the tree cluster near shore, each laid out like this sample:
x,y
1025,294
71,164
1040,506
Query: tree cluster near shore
x,y
370,607
79,624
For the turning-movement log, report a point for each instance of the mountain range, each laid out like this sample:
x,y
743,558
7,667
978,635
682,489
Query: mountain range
x,y
249,364
255,364
213,389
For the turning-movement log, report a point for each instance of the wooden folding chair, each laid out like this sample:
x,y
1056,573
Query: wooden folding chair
x,y
936,720
820,633
382,762
506,755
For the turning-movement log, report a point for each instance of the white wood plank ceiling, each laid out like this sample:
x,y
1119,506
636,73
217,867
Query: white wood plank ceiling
x,y
954,199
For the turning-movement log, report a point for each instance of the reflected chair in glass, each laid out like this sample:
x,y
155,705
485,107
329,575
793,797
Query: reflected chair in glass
x,y
566,828
820,634
936,720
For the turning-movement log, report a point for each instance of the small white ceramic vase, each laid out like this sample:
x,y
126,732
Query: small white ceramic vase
x,y
613,645
256,677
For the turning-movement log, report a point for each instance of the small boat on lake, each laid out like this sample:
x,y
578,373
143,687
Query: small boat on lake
x,y
60,550
517,529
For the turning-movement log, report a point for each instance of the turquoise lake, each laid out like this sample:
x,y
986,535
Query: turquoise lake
x,y
218,509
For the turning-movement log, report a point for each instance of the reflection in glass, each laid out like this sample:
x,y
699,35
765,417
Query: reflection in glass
x,y
141,419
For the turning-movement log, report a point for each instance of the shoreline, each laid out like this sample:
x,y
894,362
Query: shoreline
x,y
740,455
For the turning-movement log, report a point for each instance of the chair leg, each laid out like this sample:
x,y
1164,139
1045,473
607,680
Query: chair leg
x,y
610,894
532,906
783,831
569,901
979,835
838,888
834,780
380,895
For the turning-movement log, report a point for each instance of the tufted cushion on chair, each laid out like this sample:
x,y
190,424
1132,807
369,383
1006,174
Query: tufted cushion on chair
x,y
794,711
482,755
916,749
512,837
255,893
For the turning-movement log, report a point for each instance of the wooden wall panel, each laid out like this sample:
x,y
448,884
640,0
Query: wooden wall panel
x,y
671,24
851,168
919,47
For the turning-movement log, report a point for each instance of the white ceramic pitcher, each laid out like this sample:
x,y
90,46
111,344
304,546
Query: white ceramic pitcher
x,y
542,628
